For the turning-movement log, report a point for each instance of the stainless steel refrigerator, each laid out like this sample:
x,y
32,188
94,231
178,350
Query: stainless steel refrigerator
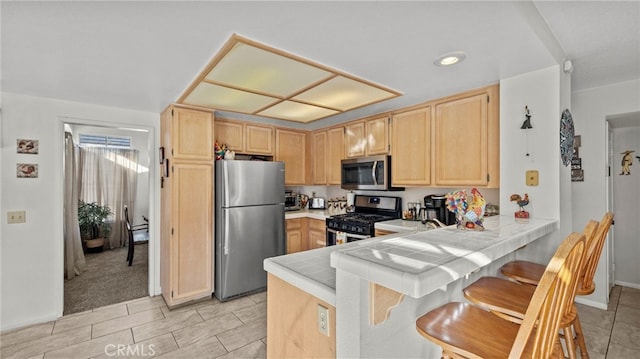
x,y
249,224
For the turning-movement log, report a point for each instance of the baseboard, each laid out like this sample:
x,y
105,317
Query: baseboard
x,y
28,322
627,284
591,303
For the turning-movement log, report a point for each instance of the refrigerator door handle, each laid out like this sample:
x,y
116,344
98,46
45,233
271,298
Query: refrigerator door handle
x,y
226,234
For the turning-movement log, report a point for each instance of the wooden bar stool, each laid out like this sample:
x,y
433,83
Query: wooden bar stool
x,y
465,330
530,272
510,299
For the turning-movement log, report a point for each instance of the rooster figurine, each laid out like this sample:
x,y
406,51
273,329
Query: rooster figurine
x,y
520,201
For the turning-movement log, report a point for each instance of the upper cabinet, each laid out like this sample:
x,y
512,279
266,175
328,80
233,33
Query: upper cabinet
x,y
290,148
411,148
328,152
191,134
367,137
244,137
465,139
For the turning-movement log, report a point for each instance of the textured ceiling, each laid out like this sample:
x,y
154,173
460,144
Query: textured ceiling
x,y
143,55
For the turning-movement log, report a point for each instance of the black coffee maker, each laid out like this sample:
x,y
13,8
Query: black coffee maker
x,y
435,207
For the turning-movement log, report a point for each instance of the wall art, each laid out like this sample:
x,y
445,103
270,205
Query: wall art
x,y
27,170
27,146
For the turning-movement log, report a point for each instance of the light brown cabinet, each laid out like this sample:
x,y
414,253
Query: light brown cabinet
x,y
367,137
291,148
296,235
411,148
465,140
449,142
186,264
245,138
317,233
304,234
327,154
319,157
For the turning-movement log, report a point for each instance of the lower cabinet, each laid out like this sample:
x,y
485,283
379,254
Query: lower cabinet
x,y
296,235
317,233
304,234
292,325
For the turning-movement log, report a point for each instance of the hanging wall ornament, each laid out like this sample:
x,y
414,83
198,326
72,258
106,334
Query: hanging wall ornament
x,y
627,161
526,125
566,137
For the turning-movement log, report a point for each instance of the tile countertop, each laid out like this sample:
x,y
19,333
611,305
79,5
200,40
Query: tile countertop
x,y
402,226
307,213
417,264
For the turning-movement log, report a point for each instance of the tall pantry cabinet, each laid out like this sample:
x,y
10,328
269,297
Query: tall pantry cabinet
x,y
186,244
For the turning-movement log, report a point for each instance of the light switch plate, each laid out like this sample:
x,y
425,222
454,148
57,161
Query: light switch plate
x,y
532,178
16,217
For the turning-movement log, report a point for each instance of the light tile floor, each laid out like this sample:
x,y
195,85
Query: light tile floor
x,y
237,329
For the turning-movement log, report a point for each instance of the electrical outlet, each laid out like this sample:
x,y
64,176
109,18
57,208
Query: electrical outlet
x,y
323,320
16,217
532,178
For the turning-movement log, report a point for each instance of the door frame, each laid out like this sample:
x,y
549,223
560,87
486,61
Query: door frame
x,y
154,199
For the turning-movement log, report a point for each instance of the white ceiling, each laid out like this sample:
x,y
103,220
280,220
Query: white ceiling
x,y
143,55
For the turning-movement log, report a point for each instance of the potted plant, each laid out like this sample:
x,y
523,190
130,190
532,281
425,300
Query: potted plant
x,y
93,228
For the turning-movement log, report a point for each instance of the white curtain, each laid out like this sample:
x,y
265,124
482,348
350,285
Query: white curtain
x,y
74,263
108,177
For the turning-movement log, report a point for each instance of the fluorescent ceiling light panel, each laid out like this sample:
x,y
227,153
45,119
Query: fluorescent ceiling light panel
x,y
265,72
343,94
299,112
252,78
208,95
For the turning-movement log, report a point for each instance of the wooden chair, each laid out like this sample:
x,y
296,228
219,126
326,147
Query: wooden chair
x,y
466,330
510,299
140,231
529,272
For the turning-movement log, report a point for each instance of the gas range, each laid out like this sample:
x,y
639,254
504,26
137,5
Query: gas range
x,y
360,224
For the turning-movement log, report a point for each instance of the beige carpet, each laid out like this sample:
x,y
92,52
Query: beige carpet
x,y
108,280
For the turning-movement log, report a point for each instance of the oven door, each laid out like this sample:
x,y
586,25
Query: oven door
x,y
332,235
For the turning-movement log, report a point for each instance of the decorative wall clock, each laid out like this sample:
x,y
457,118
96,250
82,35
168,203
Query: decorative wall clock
x,y
566,137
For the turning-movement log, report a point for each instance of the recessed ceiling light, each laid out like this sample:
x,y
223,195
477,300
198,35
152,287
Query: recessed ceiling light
x,y
450,58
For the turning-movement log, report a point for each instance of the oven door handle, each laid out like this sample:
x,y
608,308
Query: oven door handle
x,y
353,235
373,173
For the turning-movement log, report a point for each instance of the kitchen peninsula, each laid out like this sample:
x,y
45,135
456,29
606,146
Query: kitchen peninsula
x,y
389,281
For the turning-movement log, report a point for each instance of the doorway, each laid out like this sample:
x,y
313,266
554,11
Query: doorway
x,y
106,278
624,137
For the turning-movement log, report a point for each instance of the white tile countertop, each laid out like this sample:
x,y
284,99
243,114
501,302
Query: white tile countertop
x,y
402,226
307,213
419,263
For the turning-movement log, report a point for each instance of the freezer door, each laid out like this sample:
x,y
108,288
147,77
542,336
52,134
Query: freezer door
x,y
245,237
249,183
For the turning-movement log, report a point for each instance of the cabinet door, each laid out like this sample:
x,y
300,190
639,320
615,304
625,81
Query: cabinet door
x,y
317,234
191,231
377,135
319,155
290,148
230,134
192,134
295,235
258,140
335,154
355,140
382,232
460,140
411,148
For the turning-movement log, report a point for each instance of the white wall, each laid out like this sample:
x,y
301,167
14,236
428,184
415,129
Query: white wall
x,y
31,276
541,92
589,198
626,194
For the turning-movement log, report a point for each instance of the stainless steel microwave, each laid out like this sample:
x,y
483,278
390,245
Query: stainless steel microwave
x,y
368,173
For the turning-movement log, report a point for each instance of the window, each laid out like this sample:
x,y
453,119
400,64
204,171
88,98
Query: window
x,y
104,141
